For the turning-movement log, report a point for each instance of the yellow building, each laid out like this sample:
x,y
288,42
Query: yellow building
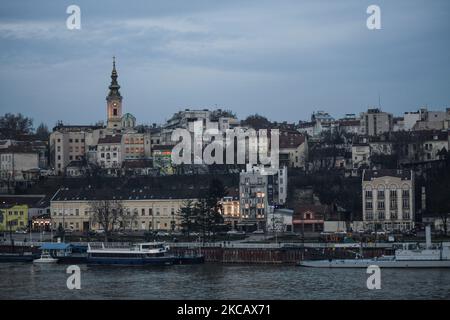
x,y
13,217
144,209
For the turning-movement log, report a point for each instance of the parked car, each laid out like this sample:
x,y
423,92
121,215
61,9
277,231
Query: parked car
x,y
231,232
258,232
162,234
21,231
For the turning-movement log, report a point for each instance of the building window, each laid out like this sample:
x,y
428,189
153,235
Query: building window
x,y
405,203
380,205
368,194
393,204
393,194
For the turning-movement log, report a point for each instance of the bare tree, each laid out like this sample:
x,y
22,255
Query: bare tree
x,y
108,214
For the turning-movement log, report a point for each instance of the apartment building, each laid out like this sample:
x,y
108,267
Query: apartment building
x,y
375,122
15,161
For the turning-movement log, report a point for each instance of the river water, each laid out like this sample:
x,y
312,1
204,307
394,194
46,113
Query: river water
x,y
218,281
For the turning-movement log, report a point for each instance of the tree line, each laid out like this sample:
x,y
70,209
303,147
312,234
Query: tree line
x,y
12,126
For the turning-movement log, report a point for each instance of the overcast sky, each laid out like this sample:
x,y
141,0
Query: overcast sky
x,y
281,59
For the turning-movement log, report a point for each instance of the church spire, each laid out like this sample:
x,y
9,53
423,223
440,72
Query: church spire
x,y
114,86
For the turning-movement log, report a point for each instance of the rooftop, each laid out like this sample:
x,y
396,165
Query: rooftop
x,y
34,201
110,139
368,175
92,194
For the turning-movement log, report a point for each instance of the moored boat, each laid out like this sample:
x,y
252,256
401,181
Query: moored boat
x,y
150,253
190,259
410,255
18,257
45,258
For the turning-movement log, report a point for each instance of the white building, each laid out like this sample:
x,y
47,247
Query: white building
x,y
109,151
72,142
360,155
375,122
410,119
433,120
388,200
15,161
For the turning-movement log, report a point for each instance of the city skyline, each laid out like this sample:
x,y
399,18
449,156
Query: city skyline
x,y
205,55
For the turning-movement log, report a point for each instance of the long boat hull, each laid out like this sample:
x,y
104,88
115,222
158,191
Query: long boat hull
x,y
364,263
190,259
159,261
17,257
72,259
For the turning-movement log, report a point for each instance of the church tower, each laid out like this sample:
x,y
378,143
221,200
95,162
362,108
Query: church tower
x,y
114,102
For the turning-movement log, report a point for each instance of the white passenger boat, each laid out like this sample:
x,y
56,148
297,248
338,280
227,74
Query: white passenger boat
x,y
408,256
150,253
45,258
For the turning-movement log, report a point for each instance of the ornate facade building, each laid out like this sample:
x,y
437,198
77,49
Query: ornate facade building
x,y
388,200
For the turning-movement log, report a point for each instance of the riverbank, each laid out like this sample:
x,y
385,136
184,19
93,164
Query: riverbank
x,y
242,253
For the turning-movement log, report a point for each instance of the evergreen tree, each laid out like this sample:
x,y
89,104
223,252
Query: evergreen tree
x,y
187,216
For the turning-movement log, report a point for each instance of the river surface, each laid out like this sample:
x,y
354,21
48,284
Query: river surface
x,y
219,281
